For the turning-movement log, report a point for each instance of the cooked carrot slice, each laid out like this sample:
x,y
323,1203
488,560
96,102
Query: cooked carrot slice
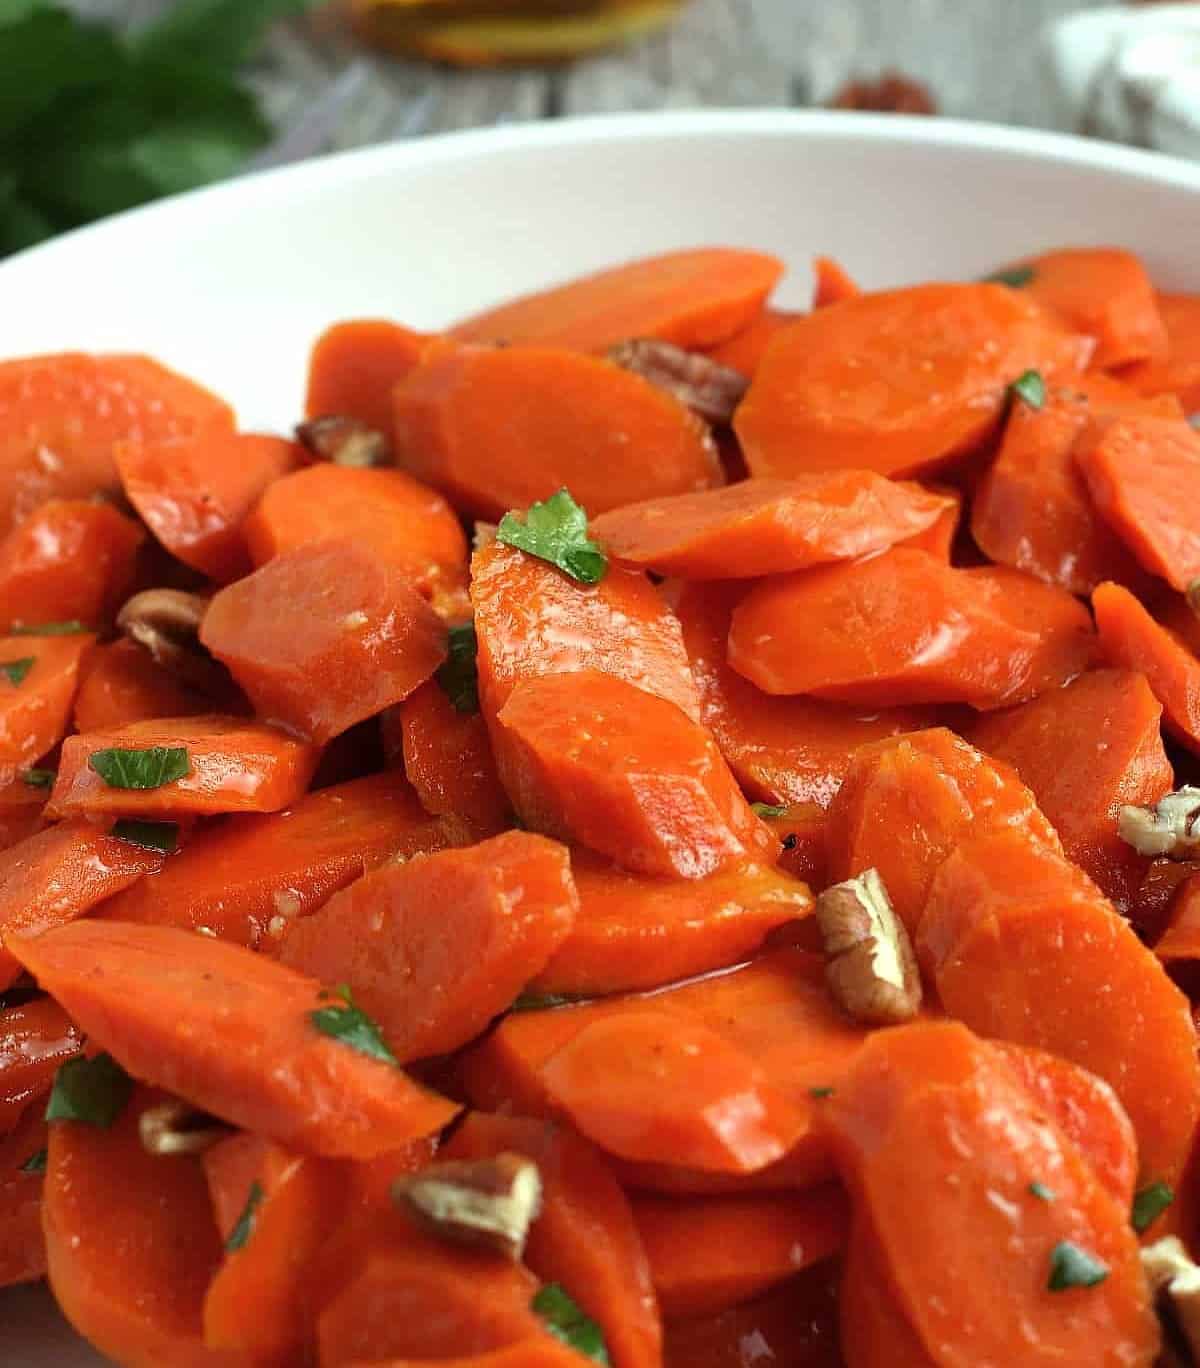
x,y
906,628
803,829
367,638
247,877
929,1106
767,527
355,365
1105,293
130,1241
633,932
899,382
1085,751
745,349
538,1351
231,1167
907,803
939,537
594,760
61,414
22,1244
233,766
433,985
1023,947
709,1253
21,806
1179,373
387,512
1151,907
211,1022
120,683
35,1038
693,298
36,696
1178,948
585,1236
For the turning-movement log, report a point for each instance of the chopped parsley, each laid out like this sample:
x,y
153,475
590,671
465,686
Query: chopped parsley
x,y
16,670
39,778
162,836
820,1092
1030,388
1071,1267
244,1228
538,1002
93,1091
556,531
1149,1204
1015,277
456,674
349,1024
1042,1192
36,1163
150,768
770,809
71,628
568,1322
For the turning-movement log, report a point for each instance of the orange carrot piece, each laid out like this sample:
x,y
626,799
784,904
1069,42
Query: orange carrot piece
x,y
831,283
710,1253
908,802
395,517
1131,640
21,806
906,628
234,766
694,298
782,750
35,711
433,986
212,1022
355,365
246,878
22,1244
899,382
1178,948
1179,373
744,351
231,1167
1105,293
60,874
1152,904
1085,751
594,760
130,1242
1023,947
585,1236
61,414
35,1038
939,538
767,527
121,684
803,829
633,932
928,1105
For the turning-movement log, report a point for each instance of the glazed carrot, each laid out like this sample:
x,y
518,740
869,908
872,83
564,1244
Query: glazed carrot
x,y
1085,751
448,760
1105,293
21,805
633,932
745,349
324,636
782,750
1179,373
432,985
927,1106
831,283
538,1351
1023,947
532,620
906,628
245,878
231,1167
35,1038
22,1244
767,527
60,874
594,760
899,382
36,692
908,803
709,1253
938,539
120,684
1151,907
1132,640
387,512
694,298
874,1332
1178,948
121,1270
585,1236
61,415
233,766
803,829
70,559
354,366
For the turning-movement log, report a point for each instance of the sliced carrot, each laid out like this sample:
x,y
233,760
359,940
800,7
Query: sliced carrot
x,y
694,298
1152,904
211,1022
120,684
899,382
710,1253
35,1038
61,414
537,1351
433,986
906,628
908,803
367,639
585,1236
939,538
22,1244
803,828
21,806
60,874
355,365
832,283
594,760
1023,947
633,932
233,766
1178,948
36,697
246,878
231,1167
1086,750
744,351
767,527
1179,373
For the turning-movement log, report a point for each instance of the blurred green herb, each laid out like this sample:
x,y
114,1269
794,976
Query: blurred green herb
x,y
93,121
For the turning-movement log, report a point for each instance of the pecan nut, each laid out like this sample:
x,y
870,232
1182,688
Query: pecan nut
x,y
174,1127
167,623
344,441
489,1202
709,389
891,93
1175,1281
1171,827
870,967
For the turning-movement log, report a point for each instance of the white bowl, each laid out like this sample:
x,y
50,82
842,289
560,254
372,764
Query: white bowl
x,y
232,284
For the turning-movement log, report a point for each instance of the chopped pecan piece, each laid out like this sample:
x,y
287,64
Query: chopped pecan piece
x,y
1175,1281
344,441
489,1202
870,966
1171,827
174,1127
891,93
167,623
711,390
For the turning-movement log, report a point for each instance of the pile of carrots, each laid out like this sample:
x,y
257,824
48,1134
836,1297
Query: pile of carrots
x,y
655,831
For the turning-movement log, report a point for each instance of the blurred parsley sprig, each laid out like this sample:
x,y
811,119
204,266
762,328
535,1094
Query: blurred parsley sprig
x,y
93,121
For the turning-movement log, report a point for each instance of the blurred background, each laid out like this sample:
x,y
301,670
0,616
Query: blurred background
x,y
105,104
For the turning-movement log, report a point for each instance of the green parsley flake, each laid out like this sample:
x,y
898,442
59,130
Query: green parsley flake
x,y
456,674
39,778
1031,388
820,1092
1071,1267
556,531
1149,1204
162,836
150,768
539,1002
566,1321
36,1163
16,670
349,1024
72,628
1042,1192
90,1090
770,809
1016,277
244,1228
